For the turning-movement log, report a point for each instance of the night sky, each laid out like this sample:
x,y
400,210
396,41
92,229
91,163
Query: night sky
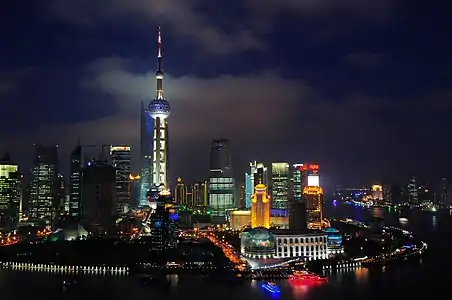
x,y
362,87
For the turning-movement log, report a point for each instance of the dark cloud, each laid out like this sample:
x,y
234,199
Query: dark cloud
x,y
366,59
186,19
11,79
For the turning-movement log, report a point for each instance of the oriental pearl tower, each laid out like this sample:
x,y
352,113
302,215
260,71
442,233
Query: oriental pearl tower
x,y
159,110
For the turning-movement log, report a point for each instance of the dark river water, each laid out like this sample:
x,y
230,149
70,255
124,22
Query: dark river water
x,y
407,281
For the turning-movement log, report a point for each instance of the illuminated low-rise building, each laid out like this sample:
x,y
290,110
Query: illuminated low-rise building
x,y
312,195
260,207
334,241
261,243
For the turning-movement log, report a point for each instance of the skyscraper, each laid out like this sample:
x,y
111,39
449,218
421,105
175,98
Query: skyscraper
x,y
221,180
98,197
280,185
10,194
260,207
159,109
180,192
75,185
45,185
147,127
121,160
312,196
163,229
258,173
200,192
413,192
297,185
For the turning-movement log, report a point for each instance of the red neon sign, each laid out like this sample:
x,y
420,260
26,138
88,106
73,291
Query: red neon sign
x,y
311,167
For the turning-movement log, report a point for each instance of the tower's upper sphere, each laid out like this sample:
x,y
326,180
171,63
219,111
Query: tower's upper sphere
x,y
159,108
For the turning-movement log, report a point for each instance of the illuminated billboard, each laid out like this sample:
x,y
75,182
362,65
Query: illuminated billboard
x,y
312,167
313,180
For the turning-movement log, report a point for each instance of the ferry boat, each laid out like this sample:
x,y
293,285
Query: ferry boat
x,y
305,276
271,287
403,220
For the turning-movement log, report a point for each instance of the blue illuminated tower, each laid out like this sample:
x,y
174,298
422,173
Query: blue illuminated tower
x,y
159,110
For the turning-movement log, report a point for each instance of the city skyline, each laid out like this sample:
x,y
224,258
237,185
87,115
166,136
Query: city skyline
x,y
357,107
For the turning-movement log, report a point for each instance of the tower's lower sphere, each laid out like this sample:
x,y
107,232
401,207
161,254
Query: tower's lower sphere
x,y
159,108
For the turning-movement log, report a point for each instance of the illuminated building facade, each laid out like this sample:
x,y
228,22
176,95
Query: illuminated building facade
x,y
45,187
221,180
312,196
159,109
242,218
10,194
135,190
163,223
297,185
334,241
147,128
258,173
310,175
413,192
180,193
261,243
199,194
121,159
377,193
75,185
260,207
280,185
99,197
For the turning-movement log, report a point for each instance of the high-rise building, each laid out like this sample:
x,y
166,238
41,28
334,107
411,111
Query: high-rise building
x,y
280,185
163,223
312,196
443,198
180,193
45,185
147,127
98,211
260,207
159,109
297,215
61,193
121,160
310,175
135,190
297,184
75,186
200,194
413,192
221,180
258,173
10,194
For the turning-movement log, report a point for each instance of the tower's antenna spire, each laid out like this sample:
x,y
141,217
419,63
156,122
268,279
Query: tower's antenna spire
x,y
159,47
159,74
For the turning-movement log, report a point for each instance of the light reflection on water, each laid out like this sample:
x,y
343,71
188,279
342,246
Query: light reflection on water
x,y
434,222
362,275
